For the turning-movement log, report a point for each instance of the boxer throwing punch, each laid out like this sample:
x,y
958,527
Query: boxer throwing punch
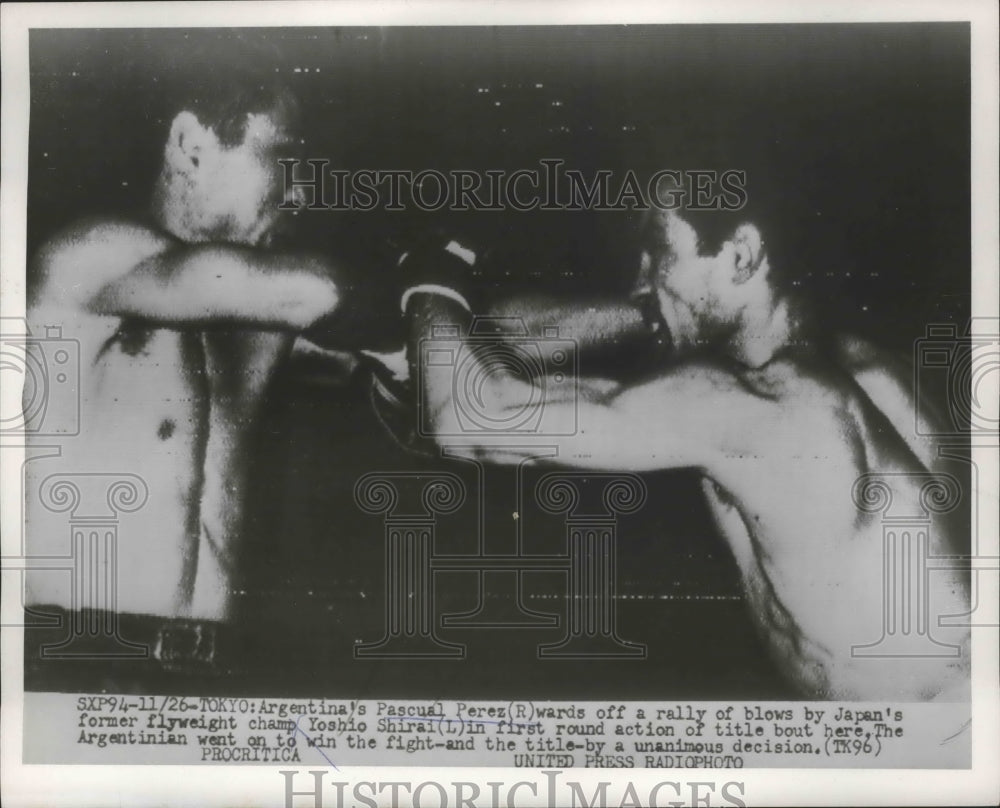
x,y
779,421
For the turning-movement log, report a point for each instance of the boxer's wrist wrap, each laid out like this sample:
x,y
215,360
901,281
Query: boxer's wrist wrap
x,y
442,271
434,289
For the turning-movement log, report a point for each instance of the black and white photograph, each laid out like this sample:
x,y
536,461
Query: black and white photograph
x,y
557,394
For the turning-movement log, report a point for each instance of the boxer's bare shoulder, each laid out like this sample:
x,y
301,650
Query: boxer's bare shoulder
x,y
785,431
847,418
887,380
74,264
743,415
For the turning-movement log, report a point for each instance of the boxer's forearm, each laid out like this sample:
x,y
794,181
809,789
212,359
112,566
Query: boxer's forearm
x,y
426,315
590,325
195,285
669,422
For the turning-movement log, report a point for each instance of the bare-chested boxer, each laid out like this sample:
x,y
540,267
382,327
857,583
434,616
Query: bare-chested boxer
x,y
779,431
182,315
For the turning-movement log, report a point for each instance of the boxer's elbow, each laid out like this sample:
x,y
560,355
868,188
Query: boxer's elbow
x,y
460,414
315,298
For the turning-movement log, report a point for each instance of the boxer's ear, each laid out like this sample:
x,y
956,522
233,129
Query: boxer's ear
x,y
748,252
188,142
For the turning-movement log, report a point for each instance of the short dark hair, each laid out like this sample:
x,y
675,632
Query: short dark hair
x,y
785,195
223,90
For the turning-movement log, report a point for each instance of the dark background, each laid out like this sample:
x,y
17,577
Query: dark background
x,y
873,118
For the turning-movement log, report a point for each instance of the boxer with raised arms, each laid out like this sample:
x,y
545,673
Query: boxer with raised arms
x,y
182,315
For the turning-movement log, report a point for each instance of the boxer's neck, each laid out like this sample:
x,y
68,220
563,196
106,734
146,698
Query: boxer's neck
x,y
764,329
173,209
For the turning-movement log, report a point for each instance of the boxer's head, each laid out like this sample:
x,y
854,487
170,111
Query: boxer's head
x,y
706,290
719,263
220,179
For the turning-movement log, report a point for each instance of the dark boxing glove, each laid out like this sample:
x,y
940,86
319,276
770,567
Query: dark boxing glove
x,y
438,266
441,267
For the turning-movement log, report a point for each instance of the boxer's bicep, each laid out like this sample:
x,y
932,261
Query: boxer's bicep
x,y
693,417
672,422
581,324
221,283
73,266
617,437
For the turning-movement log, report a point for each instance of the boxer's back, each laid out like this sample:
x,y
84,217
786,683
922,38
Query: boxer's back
x,y
812,562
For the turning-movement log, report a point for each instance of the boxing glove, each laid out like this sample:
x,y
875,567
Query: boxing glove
x,y
441,266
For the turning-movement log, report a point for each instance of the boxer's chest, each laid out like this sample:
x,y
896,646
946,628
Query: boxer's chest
x,y
143,406
142,374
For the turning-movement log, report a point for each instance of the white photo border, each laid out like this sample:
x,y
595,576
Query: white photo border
x,y
210,785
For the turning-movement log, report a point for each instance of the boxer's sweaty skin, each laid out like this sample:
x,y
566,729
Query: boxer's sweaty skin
x,y
779,449
780,432
173,369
